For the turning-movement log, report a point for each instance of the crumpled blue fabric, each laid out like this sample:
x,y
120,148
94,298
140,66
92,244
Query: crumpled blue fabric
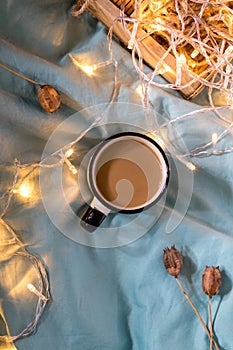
x,y
117,298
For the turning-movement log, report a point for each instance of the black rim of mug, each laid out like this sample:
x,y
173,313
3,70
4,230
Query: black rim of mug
x,y
91,165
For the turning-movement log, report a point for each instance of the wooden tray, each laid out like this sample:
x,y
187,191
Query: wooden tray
x,y
107,11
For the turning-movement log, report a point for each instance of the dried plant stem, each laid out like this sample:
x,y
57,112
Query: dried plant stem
x,y
211,323
20,75
197,313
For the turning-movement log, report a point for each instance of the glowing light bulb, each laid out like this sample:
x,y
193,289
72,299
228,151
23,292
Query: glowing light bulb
x,y
159,27
89,70
31,287
25,190
191,166
35,291
192,64
214,141
194,54
69,152
72,167
138,90
214,138
180,62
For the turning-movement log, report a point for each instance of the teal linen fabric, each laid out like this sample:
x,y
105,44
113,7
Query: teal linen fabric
x,y
115,298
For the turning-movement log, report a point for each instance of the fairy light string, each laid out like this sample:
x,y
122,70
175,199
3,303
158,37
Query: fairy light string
x,y
203,47
42,291
43,295
198,33
20,187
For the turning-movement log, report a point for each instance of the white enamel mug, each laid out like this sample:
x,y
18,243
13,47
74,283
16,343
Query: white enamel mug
x,y
127,173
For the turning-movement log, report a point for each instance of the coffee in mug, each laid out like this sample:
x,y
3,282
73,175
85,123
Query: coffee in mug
x,y
128,172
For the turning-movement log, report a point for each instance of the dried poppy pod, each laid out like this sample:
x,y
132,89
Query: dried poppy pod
x,y
211,280
173,261
49,98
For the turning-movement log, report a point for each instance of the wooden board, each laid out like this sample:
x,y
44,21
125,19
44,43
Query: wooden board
x,y
107,11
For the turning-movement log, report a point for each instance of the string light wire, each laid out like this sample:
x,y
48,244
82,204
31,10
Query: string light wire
x,y
216,57
43,284
216,49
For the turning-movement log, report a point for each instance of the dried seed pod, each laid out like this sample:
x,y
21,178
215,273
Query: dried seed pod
x,y
173,261
211,280
49,98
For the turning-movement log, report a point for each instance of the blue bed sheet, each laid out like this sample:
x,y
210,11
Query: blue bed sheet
x,y
117,297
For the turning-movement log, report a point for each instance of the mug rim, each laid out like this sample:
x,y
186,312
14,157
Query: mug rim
x,y
106,203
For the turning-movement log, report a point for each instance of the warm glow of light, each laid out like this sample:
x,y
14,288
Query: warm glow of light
x,y
71,167
181,60
159,27
89,70
191,64
25,190
166,69
139,91
73,170
69,152
191,166
214,138
31,287
18,287
162,71
194,54
35,291
222,98
157,139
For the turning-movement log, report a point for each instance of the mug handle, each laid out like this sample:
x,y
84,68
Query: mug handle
x,y
94,215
